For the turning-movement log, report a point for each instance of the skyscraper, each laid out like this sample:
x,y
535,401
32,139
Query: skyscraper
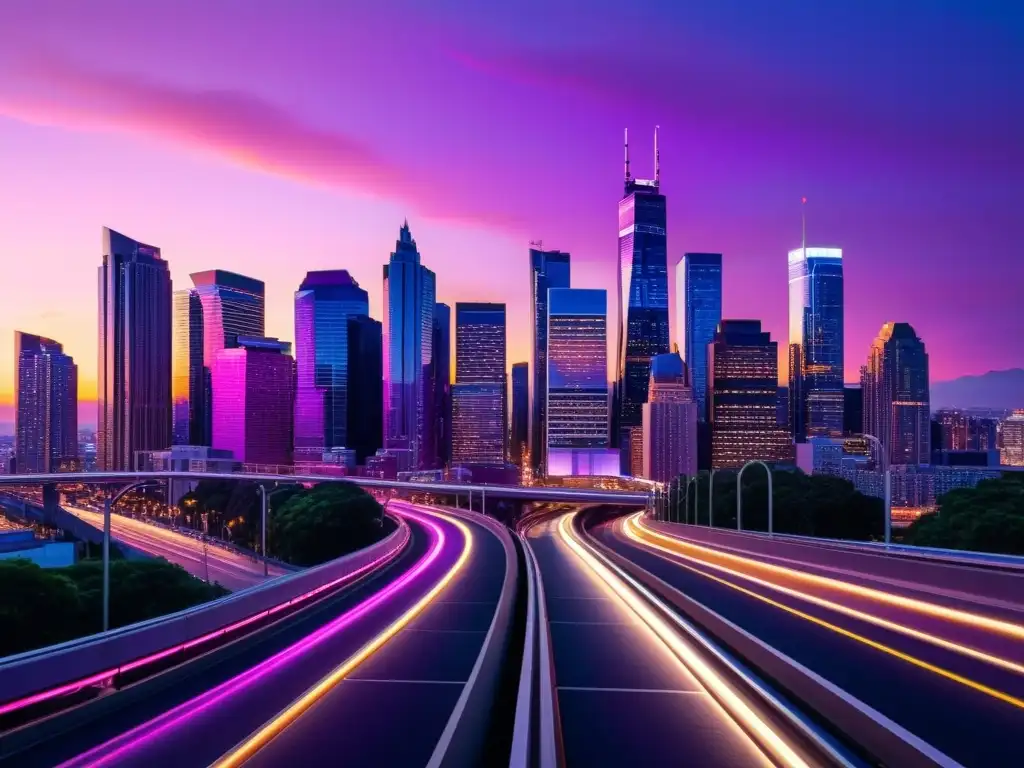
x,y
643,291
816,342
253,395
479,404
409,296
743,374
577,378
442,370
520,412
190,390
548,269
326,371
1011,453
134,366
670,421
45,404
896,398
699,303
365,387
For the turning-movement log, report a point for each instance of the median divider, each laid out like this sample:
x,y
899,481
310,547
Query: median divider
x,y
33,678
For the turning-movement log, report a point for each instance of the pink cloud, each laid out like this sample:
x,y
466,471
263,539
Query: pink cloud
x,y
232,125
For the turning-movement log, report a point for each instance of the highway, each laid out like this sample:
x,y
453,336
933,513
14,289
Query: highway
x,y
937,649
209,562
397,648
630,691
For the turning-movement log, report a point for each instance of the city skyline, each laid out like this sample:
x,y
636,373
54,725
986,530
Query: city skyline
x,y
98,116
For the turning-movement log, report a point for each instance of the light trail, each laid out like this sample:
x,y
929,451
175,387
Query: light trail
x,y
733,707
290,714
949,675
923,607
181,715
636,534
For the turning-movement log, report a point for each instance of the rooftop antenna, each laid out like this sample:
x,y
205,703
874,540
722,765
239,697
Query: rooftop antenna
x,y
803,225
657,159
626,140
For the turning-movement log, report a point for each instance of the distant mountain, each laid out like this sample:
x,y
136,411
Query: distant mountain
x,y
995,389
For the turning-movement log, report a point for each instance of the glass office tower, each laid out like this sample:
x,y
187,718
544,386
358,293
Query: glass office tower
x,y
409,297
45,404
699,304
897,403
134,365
577,407
324,304
520,413
643,293
442,370
548,269
189,390
816,342
479,403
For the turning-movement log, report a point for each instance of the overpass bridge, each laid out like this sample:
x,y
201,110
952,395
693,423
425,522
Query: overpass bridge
x,y
591,634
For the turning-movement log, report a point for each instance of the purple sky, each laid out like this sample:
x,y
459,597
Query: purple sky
x,y
300,136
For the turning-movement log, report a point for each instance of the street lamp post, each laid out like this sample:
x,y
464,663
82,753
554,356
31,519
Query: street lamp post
x,y
108,506
264,503
739,496
887,488
711,499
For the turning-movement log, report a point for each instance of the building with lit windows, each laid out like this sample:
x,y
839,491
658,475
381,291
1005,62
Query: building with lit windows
x,y
410,291
743,372
520,428
45,405
670,421
1011,453
325,304
134,365
577,377
548,269
479,401
209,317
253,397
962,431
816,389
896,395
643,293
699,310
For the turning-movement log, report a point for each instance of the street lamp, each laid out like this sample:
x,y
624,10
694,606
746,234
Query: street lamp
x,y
739,496
887,488
711,500
107,507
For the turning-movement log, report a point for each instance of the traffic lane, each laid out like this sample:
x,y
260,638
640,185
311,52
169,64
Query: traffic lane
x,y
415,680
964,625
229,569
996,591
972,727
623,698
197,721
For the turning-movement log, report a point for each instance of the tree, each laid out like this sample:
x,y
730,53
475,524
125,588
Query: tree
x,y
987,518
37,607
325,522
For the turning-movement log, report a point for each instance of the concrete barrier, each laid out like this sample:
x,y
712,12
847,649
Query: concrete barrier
x,y
36,676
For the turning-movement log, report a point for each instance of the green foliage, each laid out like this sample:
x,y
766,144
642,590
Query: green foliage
x,y
988,518
325,522
41,607
233,505
808,505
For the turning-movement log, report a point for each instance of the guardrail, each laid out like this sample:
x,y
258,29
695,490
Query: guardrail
x,y
33,677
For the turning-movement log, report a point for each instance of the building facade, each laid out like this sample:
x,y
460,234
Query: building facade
x,y
548,269
365,408
442,375
896,395
699,309
961,431
577,376
134,365
410,291
325,304
1011,452
45,405
520,429
670,421
253,398
743,372
816,342
479,401
643,293
190,382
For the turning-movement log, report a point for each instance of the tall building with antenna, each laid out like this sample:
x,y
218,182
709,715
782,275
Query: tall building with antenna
x,y
816,393
643,292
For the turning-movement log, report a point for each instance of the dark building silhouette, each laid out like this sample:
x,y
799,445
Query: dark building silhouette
x,y
520,412
853,409
442,374
365,386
